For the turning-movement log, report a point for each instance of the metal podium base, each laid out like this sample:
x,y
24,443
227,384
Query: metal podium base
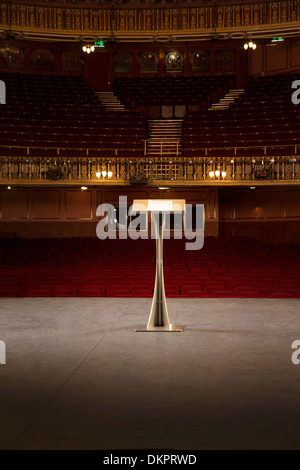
x,y
171,329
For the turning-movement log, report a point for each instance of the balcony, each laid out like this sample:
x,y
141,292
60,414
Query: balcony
x,y
265,166
125,20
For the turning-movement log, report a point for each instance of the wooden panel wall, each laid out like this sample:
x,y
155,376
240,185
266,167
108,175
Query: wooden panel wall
x,y
271,59
34,212
270,214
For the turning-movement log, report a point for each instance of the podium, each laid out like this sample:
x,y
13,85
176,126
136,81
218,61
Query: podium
x,y
159,318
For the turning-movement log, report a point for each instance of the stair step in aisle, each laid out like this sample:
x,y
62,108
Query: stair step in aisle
x,y
165,137
109,101
228,99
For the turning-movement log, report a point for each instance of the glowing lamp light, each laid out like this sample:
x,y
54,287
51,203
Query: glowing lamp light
x,y
104,173
211,174
109,174
217,173
98,174
224,174
250,45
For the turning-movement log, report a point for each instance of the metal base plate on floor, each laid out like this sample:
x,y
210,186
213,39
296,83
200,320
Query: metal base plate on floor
x,y
172,329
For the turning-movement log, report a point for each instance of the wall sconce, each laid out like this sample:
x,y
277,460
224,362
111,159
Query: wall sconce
x,y
217,174
105,172
88,48
250,45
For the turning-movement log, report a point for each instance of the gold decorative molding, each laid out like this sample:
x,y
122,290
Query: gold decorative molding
x,y
173,171
144,19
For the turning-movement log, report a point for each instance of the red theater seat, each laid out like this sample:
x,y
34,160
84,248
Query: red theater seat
x,y
39,291
141,293
65,291
90,291
117,293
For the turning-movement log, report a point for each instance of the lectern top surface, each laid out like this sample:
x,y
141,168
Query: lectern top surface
x,y
158,205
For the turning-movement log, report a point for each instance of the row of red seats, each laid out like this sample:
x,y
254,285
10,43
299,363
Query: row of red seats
x,y
223,268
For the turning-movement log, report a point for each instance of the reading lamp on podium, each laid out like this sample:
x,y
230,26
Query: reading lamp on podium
x,y
159,208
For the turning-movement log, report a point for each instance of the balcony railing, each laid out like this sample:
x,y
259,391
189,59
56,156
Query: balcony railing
x,y
172,169
146,18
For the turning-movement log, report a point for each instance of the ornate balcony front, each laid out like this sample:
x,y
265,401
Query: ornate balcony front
x,y
152,171
124,21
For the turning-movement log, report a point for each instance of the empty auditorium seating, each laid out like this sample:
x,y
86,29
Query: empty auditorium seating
x,y
88,267
169,97
263,116
53,115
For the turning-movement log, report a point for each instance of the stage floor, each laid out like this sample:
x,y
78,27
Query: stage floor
x,y
78,377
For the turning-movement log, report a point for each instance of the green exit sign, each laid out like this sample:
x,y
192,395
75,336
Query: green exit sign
x,y
99,44
277,39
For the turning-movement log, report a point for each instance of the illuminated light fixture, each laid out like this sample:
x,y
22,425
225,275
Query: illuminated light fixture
x,y
104,173
83,188
88,48
252,187
98,174
163,188
250,45
8,187
109,174
217,174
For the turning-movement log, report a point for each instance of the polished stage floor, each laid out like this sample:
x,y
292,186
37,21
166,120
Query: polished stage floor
x,y
77,376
